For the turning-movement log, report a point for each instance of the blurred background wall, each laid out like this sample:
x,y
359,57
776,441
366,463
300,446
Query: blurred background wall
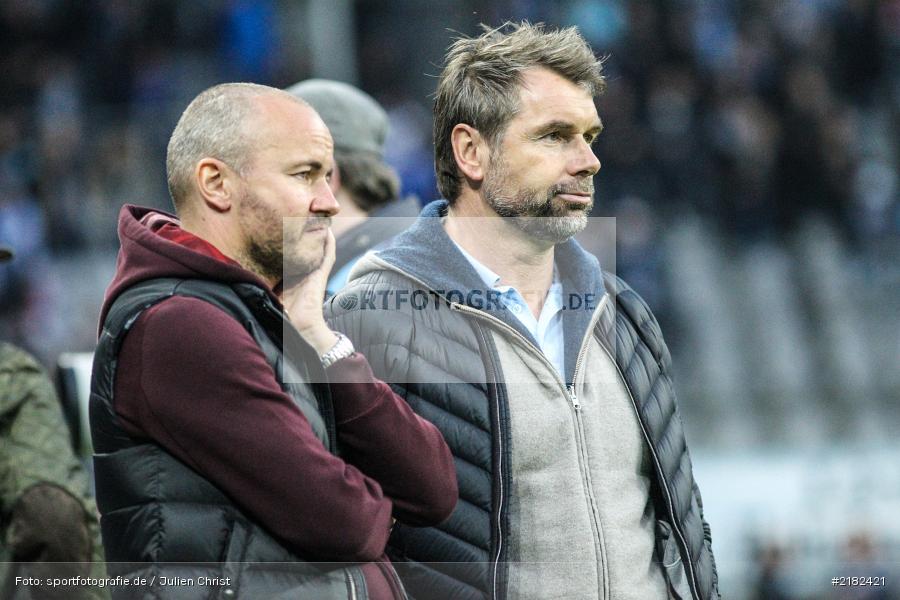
x,y
750,156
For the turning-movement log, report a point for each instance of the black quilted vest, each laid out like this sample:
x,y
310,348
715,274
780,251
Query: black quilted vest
x,y
159,518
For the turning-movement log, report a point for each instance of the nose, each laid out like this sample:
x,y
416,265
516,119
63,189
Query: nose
x,y
585,163
324,202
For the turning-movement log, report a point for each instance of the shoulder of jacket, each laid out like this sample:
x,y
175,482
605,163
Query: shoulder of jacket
x,y
625,297
380,276
200,323
374,287
630,305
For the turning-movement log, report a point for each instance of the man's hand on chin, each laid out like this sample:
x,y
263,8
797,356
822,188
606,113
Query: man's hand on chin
x,y
303,302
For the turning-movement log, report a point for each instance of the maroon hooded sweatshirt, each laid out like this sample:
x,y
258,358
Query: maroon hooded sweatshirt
x,y
191,379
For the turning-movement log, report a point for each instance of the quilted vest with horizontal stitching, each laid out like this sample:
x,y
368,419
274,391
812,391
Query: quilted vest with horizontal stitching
x,y
161,518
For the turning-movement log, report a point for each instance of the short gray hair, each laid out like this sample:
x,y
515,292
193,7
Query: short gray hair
x,y
479,83
213,125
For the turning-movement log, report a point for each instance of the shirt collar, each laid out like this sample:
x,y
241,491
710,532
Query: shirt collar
x,y
491,279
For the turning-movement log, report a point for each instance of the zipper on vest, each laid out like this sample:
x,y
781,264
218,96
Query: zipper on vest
x,y
582,350
665,483
351,584
392,574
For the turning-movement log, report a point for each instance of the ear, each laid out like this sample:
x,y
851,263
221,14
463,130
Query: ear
x,y
217,183
470,151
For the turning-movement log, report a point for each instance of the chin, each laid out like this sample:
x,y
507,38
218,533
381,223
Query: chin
x,y
302,264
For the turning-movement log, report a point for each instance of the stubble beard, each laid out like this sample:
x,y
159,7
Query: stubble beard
x,y
537,213
270,234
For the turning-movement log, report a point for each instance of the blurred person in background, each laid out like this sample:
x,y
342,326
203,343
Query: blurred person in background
x,y
48,520
770,581
862,558
367,188
218,439
573,468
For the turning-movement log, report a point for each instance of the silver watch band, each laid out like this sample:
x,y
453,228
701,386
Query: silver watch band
x,y
341,349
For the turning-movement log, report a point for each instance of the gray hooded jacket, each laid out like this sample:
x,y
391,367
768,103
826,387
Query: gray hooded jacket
x,y
570,487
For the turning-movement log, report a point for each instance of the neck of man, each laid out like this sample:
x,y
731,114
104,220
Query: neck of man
x,y
350,215
521,261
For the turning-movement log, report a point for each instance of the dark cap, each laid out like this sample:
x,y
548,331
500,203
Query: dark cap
x,y
356,121
5,254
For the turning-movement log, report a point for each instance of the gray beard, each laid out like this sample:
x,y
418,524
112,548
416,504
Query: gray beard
x,y
534,212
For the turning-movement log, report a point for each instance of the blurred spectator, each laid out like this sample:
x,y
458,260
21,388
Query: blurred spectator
x,y
638,254
861,560
366,188
770,583
250,46
49,525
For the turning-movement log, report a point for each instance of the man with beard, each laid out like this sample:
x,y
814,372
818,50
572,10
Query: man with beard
x,y
549,378
238,440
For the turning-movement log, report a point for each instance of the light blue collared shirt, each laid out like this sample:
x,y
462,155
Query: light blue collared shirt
x,y
547,329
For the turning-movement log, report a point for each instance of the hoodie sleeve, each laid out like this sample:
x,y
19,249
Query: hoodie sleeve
x,y
194,381
382,435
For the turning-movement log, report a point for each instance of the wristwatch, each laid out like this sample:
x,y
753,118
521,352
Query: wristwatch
x,y
341,349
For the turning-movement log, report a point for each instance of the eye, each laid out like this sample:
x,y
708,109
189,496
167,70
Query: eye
x,y
303,175
590,138
554,136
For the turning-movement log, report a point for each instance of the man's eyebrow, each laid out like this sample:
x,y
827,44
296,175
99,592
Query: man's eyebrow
x,y
313,164
566,127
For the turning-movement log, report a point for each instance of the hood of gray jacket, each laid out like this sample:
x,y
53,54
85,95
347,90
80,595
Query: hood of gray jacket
x,y
426,253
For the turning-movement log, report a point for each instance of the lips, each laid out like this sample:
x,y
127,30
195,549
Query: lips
x,y
575,197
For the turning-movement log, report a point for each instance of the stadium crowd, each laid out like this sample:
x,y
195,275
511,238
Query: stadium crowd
x,y
753,115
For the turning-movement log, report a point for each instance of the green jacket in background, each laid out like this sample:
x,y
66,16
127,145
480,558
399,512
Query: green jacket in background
x,y
46,514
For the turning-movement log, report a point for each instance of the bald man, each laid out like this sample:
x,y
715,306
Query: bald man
x,y
219,438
